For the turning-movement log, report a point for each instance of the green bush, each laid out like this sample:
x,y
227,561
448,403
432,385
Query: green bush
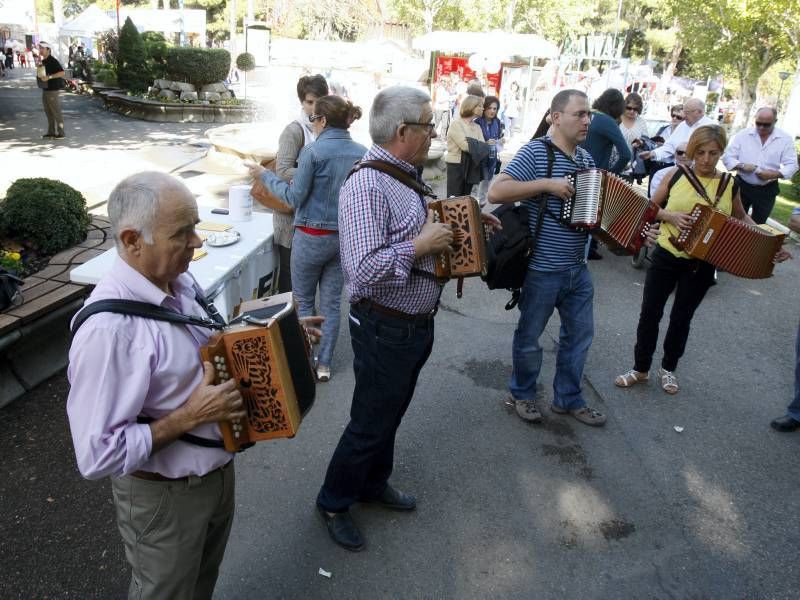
x,y
198,66
106,73
245,62
132,71
156,47
46,214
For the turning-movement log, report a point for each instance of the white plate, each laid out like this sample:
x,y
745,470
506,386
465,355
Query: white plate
x,y
223,238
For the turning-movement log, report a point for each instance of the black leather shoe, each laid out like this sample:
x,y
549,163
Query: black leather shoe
x,y
392,498
785,423
342,530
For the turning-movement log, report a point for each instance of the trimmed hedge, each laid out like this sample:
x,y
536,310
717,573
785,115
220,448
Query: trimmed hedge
x,y
46,214
245,62
132,71
198,66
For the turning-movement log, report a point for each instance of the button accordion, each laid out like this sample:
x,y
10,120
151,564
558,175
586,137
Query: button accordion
x,y
468,257
267,352
609,208
729,244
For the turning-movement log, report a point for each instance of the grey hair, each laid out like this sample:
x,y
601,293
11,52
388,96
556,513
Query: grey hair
x,y
134,202
391,108
694,104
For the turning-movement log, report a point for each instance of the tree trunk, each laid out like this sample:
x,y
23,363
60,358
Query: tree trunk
x,y
747,97
510,10
674,56
232,27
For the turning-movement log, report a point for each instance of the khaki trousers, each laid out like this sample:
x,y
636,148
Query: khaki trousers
x,y
175,533
51,99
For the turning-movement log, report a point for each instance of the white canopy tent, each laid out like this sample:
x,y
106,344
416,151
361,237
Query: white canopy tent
x,y
86,25
493,43
496,44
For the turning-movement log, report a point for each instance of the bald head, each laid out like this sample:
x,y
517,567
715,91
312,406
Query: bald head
x,y
693,110
136,200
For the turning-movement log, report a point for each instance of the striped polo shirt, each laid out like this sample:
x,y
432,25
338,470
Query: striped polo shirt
x,y
557,248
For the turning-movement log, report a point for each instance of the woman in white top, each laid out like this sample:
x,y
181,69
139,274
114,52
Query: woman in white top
x,y
632,125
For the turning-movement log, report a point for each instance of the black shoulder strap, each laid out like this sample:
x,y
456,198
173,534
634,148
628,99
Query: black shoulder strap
x,y
542,199
673,180
698,187
147,311
395,172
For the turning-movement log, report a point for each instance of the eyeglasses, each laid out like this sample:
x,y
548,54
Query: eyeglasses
x,y
635,108
313,118
763,125
429,126
680,153
679,117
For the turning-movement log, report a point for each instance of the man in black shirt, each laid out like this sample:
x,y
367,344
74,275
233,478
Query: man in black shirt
x,y
52,82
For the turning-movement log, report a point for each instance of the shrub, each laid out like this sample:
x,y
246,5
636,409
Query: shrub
x,y
132,71
245,62
49,215
155,46
198,66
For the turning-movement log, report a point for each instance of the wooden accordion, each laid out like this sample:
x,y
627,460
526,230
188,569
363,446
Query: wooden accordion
x,y
266,351
468,257
729,244
611,209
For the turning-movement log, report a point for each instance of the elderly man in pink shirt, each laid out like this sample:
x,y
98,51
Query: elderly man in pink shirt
x,y
138,386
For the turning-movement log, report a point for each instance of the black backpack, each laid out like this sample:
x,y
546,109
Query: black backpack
x,y
509,250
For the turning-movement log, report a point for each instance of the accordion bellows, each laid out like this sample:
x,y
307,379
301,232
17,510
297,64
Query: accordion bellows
x,y
610,208
266,351
468,258
729,244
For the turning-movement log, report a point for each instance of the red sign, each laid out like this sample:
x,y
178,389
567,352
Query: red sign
x,y
445,65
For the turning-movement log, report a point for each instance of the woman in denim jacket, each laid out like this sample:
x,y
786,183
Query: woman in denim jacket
x,y
314,195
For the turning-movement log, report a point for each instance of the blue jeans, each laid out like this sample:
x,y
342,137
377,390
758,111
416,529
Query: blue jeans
x,y
794,407
388,355
571,292
316,261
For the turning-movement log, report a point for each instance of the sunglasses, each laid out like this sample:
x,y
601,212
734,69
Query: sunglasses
x,y
680,153
679,117
313,118
763,125
635,108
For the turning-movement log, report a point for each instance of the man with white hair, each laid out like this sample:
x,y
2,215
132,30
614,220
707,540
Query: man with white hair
x,y
694,116
680,159
138,387
52,82
388,241
761,154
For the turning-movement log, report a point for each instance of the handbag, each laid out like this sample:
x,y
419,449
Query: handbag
x,y
9,290
267,198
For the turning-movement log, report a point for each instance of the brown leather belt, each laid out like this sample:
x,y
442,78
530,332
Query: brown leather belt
x,y
149,476
392,312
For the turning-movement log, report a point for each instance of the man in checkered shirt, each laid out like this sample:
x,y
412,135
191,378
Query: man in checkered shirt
x,y
388,240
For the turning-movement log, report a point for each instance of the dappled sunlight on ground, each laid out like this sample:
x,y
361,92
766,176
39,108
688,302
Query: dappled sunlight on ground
x,y
716,519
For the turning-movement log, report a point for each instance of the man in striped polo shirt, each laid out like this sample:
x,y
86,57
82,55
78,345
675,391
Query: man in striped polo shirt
x,y
388,240
558,277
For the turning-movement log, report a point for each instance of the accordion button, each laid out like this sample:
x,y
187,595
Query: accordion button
x,y
236,434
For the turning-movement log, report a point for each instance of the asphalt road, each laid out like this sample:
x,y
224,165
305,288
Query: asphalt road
x,y
506,509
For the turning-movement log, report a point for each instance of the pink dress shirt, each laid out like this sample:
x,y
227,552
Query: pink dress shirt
x,y
122,367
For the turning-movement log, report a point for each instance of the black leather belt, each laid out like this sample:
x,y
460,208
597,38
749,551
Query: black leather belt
x,y
149,476
394,313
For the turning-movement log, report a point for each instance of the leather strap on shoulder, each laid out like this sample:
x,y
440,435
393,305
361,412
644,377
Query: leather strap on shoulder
x,y
394,172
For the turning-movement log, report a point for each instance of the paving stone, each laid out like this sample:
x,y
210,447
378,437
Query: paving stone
x,y
44,286
7,323
65,257
51,271
31,281
107,245
90,243
96,234
63,294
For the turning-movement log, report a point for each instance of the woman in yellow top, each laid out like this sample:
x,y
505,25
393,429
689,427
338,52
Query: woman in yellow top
x,y
672,269
471,108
